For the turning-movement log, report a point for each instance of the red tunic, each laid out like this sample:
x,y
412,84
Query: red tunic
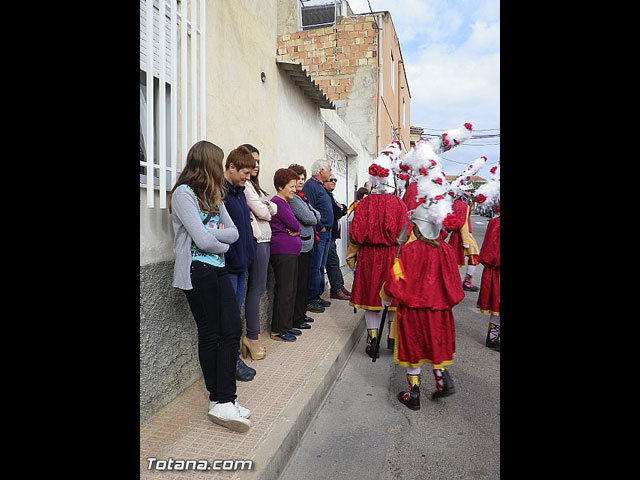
x,y
463,212
377,222
426,284
489,293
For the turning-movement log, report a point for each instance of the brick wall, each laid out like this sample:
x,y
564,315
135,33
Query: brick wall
x,y
331,55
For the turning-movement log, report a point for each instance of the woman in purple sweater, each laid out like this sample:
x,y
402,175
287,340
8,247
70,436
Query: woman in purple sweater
x,y
285,248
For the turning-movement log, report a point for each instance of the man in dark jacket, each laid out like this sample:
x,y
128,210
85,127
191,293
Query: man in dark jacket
x,y
319,199
336,280
238,167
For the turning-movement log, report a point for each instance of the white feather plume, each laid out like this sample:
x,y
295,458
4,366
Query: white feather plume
x,y
457,187
432,186
491,189
388,160
452,138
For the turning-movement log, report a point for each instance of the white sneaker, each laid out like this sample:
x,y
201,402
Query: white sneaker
x,y
244,412
228,415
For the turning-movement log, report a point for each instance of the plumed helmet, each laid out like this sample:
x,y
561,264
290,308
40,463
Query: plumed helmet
x,y
488,194
461,186
382,170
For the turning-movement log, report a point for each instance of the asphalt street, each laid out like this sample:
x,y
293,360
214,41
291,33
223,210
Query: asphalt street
x,y
363,432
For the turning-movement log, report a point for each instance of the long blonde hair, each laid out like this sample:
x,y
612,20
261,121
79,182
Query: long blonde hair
x,y
204,173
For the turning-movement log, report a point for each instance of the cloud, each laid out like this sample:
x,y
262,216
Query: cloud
x,y
484,37
416,20
438,79
451,51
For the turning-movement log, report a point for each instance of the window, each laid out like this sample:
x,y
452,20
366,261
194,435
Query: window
x,y
337,156
172,79
403,113
320,13
393,87
339,169
155,135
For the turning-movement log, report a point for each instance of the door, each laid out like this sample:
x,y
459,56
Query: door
x,y
339,169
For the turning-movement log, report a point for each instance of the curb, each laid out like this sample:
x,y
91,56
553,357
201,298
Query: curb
x,y
273,454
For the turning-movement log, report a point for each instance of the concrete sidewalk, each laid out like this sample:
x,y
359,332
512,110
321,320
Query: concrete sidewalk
x,y
287,391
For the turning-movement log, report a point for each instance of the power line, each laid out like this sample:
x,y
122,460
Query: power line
x,y
467,163
453,161
445,129
494,135
479,144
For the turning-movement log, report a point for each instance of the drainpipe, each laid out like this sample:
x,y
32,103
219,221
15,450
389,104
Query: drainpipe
x,y
379,82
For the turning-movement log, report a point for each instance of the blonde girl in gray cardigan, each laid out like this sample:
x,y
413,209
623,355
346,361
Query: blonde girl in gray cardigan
x,y
202,233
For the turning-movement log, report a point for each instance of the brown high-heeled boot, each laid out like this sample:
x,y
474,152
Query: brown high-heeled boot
x,y
253,348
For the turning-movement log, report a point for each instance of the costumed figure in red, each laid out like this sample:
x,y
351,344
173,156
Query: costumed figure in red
x,y
424,155
373,234
424,282
462,239
489,295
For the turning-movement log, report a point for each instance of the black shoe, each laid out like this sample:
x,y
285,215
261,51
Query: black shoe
x,y
371,347
315,307
308,319
285,337
495,344
303,326
244,373
294,331
390,343
244,365
469,287
323,303
411,398
448,389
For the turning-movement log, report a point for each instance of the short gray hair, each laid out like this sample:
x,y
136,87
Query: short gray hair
x,y
318,165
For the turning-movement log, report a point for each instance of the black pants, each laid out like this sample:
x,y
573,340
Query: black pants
x,y
215,310
285,272
302,289
336,281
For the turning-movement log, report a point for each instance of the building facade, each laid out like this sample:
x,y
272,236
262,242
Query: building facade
x,y
215,76
356,59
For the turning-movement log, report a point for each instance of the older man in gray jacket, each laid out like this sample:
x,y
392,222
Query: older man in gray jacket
x,y
308,217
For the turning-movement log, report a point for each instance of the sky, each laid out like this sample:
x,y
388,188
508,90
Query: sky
x,y
451,52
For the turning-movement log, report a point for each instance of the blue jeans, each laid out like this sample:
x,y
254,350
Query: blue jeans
x,y
237,281
318,263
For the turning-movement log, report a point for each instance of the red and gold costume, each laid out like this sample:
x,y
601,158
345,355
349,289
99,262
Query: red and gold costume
x,y
489,294
425,282
377,222
463,236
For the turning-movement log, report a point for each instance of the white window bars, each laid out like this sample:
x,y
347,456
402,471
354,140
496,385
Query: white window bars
x,y
172,97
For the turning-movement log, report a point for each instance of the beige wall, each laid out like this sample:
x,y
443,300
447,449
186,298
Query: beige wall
x,y
274,116
390,109
240,108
